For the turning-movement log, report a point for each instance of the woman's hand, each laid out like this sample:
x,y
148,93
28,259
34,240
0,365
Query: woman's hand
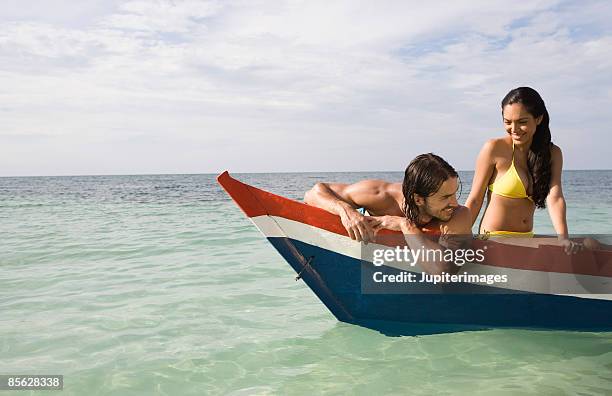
x,y
571,247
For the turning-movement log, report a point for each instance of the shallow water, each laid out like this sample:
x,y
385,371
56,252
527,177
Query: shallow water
x,y
158,284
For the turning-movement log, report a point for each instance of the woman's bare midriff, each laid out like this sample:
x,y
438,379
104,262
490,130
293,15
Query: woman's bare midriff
x,y
508,214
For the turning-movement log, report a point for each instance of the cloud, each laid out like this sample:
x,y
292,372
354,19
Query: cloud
x,y
162,16
294,85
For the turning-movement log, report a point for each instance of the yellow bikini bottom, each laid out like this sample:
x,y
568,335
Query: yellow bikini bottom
x,y
506,234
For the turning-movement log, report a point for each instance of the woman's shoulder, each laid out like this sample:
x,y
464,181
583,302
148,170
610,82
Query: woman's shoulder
x,y
497,146
555,152
554,149
500,141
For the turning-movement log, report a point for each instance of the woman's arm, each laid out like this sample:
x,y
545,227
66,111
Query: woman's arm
x,y
556,203
555,200
485,164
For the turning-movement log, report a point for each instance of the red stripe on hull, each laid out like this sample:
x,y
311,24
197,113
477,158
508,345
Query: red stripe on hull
x,y
256,202
547,258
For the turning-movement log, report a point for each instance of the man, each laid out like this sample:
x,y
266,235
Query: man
x,y
425,201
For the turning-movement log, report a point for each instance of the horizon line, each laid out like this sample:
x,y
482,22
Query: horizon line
x,y
248,173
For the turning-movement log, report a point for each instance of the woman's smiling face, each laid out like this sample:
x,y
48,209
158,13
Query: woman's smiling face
x,y
519,123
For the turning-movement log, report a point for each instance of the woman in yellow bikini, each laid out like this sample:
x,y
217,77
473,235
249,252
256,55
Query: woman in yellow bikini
x,y
520,172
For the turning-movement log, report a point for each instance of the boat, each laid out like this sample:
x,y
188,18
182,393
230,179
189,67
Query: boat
x,y
545,289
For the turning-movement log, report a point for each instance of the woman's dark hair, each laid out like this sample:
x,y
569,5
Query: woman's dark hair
x,y
538,158
424,176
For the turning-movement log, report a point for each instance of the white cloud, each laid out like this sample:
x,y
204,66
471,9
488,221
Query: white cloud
x,y
162,16
293,85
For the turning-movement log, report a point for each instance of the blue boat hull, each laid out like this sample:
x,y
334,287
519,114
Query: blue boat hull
x,y
336,279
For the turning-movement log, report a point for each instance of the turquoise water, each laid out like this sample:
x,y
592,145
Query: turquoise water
x,y
139,285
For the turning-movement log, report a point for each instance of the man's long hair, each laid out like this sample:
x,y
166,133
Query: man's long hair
x,y
423,176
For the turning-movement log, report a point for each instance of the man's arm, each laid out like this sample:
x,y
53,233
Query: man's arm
x,y
344,200
460,224
456,233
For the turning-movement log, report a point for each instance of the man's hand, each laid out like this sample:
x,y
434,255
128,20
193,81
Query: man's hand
x,y
453,241
357,226
393,223
342,199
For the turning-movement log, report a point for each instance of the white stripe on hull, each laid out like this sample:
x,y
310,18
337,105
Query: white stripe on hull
x,y
585,286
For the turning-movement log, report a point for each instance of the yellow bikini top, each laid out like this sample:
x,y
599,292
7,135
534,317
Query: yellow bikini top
x,y
510,184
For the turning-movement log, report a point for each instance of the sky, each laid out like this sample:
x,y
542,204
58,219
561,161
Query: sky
x,y
140,87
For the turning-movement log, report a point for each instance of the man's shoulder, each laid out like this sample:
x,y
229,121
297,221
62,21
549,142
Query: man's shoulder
x,y
379,197
377,183
462,213
459,223
376,187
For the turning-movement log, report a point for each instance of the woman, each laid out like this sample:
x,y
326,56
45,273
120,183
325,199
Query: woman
x,y
520,172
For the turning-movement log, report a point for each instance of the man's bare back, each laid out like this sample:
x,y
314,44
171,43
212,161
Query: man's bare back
x,y
382,200
425,200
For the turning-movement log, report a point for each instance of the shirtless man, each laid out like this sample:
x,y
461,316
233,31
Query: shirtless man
x,y
425,200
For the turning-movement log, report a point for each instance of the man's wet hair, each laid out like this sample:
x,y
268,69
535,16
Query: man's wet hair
x,y
424,176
